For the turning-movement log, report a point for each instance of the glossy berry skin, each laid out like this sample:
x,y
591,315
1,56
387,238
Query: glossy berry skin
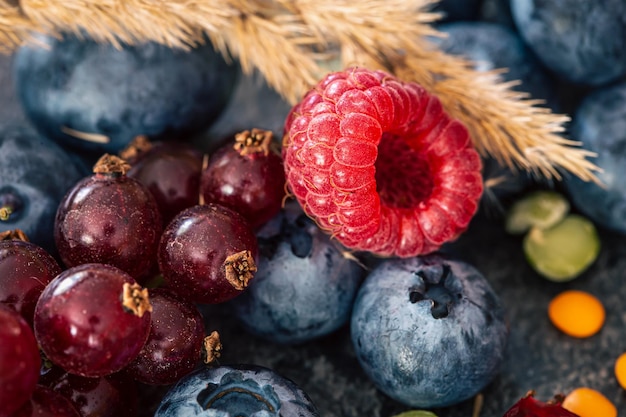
x,y
107,396
25,270
530,407
201,250
251,182
35,174
379,165
82,325
317,283
47,403
19,361
429,331
111,219
599,123
237,390
587,46
120,93
174,346
171,172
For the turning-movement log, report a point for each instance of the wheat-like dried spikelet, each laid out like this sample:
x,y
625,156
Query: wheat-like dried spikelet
x,y
292,42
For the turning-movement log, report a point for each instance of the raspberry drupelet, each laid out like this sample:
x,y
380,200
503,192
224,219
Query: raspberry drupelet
x,y
380,165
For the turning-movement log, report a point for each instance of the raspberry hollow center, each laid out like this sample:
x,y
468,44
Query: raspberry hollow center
x,y
380,165
403,175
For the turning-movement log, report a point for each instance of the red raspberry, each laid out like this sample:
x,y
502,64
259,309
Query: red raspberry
x,y
380,165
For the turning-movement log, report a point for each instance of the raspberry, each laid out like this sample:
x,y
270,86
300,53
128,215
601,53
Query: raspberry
x,y
379,164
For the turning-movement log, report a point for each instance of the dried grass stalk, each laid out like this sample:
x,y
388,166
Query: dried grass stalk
x,y
292,43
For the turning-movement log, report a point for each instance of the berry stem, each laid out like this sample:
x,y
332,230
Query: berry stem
x,y
15,234
111,165
212,348
240,268
5,212
138,146
253,141
135,299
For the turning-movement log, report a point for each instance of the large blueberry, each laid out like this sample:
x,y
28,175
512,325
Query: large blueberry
x,y
35,174
236,391
599,124
111,95
304,286
582,41
429,331
493,46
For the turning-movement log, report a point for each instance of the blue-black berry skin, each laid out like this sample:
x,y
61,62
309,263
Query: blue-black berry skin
x,y
599,124
148,89
429,331
494,46
233,391
304,286
582,41
35,174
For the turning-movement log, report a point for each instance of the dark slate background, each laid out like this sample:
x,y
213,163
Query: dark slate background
x,y
539,357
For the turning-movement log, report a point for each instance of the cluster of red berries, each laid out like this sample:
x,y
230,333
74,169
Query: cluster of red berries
x,y
173,214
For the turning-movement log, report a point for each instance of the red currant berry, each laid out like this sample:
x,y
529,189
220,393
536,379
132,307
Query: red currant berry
x,y
113,395
109,218
530,407
25,270
208,254
46,403
92,320
379,164
170,171
19,361
174,346
248,177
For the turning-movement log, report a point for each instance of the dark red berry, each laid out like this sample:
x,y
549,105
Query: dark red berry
x,y
19,361
92,320
170,171
530,407
109,218
113,395
379,164
174,346
247,177
25,270
47,403
208,254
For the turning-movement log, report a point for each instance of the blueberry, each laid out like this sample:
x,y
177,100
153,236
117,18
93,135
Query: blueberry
x,y
493,46
429,331
149,89
236,391
599,124
582,41
35,173
304,286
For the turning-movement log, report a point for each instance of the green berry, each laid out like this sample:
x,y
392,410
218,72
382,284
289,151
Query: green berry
x,y
540,209
564,251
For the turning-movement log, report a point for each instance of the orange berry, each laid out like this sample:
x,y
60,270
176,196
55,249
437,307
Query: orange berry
x,y
587,402
577,313
620,370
